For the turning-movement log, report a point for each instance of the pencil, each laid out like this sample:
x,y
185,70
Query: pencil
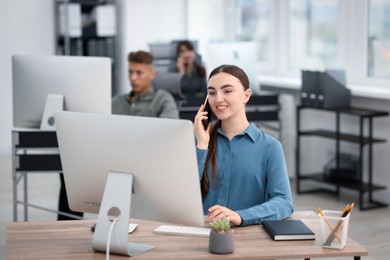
x,y
327,222
345,210
350,207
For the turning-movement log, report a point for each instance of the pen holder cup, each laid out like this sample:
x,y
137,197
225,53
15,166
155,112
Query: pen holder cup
x,y
334,229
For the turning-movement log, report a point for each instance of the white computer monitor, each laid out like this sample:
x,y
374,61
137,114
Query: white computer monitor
x,y
159,153
83,82
241,54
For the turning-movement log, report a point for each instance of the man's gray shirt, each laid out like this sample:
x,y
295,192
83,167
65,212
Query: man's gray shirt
x,y
153,103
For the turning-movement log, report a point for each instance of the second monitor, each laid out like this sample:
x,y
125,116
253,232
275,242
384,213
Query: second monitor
x,y
241,54
77,84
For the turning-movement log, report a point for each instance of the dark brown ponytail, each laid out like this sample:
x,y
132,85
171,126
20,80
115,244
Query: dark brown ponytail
x,y
210,158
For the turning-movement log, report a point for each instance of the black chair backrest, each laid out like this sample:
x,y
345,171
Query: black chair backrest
x,y
263,107
189,107
259,107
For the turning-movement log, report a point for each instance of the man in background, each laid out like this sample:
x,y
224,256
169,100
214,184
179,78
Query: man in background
x,y
143,99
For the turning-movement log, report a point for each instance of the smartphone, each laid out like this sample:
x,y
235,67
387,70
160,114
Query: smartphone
x,y
207,108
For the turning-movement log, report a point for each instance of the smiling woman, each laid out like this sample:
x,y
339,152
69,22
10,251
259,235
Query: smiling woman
x,y
242,170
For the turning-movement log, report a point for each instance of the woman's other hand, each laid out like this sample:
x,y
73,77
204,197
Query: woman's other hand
x,y
217,212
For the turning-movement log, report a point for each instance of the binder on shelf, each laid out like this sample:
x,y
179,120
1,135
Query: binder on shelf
x,y
102,22
310,90
104,15
70,20
325,89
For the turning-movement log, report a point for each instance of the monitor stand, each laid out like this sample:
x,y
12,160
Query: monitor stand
x,y
116,197
54,103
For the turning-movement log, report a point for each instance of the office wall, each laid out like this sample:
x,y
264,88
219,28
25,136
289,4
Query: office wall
x,y
26,27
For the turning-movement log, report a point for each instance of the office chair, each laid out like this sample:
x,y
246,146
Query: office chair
x,y
189,107
164,56
263,110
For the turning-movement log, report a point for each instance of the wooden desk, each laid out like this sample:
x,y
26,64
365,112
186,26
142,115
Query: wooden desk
x,y
73,240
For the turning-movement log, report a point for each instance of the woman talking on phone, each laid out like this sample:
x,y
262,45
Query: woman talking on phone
x,y
188,63
242,170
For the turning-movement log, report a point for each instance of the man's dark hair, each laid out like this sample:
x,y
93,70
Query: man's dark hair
x,y
140,57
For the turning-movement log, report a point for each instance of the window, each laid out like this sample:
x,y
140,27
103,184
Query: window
x,y
207,20
299,34
313,34
254,23
379,39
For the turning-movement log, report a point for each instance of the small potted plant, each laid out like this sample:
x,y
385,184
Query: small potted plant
x,y
221,239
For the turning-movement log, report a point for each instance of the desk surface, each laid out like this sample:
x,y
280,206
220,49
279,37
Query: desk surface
x,y
73,240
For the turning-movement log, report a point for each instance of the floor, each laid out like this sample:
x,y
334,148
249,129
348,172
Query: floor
x,y
371,228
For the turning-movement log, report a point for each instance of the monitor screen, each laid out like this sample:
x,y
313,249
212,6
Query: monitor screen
x,y
160,153
241,54
84,82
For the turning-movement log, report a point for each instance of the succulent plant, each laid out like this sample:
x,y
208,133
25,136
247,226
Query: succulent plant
x,y
220,225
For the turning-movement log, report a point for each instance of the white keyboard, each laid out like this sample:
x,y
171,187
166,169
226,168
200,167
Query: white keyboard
x,y
183,231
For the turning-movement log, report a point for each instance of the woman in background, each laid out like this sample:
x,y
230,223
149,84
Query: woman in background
x,y
242,170
188,63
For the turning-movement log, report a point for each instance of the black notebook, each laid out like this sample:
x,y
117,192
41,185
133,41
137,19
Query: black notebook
x,y
288,230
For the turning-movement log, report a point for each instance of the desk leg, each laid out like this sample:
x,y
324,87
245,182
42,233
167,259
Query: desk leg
x,y
298,152
14,179
15,195
25,196
356,258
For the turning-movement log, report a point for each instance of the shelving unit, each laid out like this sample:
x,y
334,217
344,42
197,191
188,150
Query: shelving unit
x,y
362,139
88,28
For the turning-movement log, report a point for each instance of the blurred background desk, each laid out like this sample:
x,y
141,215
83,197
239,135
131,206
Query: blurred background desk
x,y
73,239
35,152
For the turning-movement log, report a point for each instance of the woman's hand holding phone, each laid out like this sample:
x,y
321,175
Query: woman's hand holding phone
x,y
207,108
202,125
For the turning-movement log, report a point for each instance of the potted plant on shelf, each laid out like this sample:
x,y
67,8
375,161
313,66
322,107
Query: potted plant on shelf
x,y
221,239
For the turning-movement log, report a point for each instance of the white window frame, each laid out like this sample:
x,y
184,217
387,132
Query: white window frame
x,y
353,35
353,46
